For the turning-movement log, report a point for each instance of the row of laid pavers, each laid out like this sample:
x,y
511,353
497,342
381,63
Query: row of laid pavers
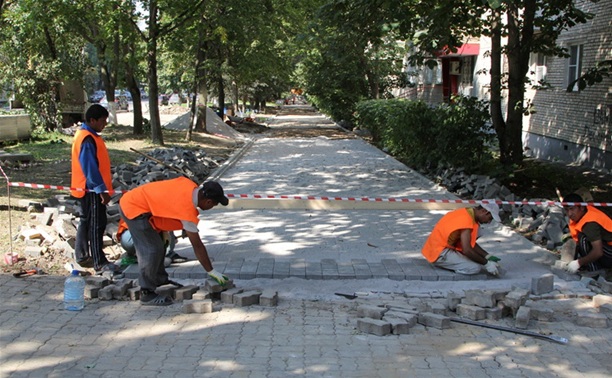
x,y
325,269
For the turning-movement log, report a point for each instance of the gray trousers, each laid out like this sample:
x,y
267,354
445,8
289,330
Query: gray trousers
x,y
455,261
150,252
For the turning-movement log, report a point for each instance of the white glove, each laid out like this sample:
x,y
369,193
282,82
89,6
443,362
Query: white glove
x,y
220,278
491,268
573,266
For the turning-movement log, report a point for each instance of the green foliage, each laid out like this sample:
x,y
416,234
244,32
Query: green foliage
x,y
592,76
455,134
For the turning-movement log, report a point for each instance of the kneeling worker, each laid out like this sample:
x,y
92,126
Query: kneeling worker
x,y
167,205
591,228
452,243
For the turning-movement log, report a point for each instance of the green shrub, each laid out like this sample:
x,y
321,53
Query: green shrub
x,y
455,134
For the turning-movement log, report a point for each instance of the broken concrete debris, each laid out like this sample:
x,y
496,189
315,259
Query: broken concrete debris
x,y
516,307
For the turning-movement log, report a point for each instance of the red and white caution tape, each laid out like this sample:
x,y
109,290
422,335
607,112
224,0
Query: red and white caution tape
x,y
353,199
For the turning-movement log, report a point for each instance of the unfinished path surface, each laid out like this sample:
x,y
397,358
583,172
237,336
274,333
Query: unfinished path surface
x,y
273,242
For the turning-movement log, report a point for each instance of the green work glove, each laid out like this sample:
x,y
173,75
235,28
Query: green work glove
x,y
220,278
493,258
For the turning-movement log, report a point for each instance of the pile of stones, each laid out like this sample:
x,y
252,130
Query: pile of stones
x,y
545,224
517,304
193,298
54,223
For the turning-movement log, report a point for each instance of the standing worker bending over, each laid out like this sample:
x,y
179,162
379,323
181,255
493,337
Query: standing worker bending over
x,y
91,172
452,243
591,228
167,205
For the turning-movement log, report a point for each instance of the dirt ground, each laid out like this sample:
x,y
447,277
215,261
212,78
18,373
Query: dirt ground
x,y
119,141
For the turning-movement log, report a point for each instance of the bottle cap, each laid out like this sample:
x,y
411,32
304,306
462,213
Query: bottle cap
x,y
74,272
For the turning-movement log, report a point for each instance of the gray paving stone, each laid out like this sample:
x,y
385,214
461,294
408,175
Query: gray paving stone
x,y
394,270
378,270
248,270
361,268
313,270
233,267
281,269
298,268
346,270
265,268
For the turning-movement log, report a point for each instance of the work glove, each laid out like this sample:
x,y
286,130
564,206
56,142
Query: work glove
x,y
493,258
492,268
220,278
573,266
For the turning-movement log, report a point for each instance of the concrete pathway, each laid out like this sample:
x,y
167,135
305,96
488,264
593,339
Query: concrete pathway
x,y
312,332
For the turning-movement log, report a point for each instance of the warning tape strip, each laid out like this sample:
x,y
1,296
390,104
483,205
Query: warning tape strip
x,y
353,199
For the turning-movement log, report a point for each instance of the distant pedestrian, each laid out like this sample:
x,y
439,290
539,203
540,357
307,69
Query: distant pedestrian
x,y
452,243
167,206
91,173
591,228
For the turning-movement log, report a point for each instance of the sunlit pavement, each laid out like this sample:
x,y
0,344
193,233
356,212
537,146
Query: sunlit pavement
x,y
311,332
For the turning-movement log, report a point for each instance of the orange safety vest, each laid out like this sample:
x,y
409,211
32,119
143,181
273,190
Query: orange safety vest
x,y
592,215
458,219
78,179
169,203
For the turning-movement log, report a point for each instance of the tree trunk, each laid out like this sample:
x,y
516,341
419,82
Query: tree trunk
x,y
221,90
156,131
136,102
497,116
202,90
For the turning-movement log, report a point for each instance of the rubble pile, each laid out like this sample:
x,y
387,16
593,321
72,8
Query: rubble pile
x,y
545,225
517,307
52,233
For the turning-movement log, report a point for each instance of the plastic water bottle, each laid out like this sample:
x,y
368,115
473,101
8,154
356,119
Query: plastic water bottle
x,y
74,292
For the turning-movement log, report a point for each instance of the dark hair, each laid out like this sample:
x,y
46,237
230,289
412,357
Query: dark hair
x,y
96,111
573,197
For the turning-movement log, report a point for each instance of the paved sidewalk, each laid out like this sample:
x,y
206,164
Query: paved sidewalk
x,y
299,338
277,242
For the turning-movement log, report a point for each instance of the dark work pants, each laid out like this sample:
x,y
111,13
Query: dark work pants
x,y
583,247
150,252
90,231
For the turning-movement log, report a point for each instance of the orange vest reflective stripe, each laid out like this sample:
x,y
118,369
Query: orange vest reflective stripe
x,y
78,179
169,202
459,219
592,215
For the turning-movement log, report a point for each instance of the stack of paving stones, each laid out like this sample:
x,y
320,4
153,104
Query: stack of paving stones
x,y
54,223
517,306
194,299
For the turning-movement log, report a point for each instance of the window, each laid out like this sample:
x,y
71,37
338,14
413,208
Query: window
x,y
574,65
467,70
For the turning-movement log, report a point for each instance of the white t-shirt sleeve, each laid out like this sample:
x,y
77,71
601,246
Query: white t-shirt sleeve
x,y
189,226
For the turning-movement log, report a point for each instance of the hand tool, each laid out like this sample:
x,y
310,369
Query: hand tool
x,y
347,296
556,339
27,272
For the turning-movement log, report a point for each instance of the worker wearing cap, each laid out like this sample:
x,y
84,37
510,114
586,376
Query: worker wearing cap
x,y
591,228
452,243
167,205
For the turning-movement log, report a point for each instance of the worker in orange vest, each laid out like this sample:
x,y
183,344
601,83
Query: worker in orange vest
x,y
452,243
591,228
91,181
167,206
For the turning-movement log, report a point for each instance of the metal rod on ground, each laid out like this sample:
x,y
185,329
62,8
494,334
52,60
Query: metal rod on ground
x,y
164,164
557,339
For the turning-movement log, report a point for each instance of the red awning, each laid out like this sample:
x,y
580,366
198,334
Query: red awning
x,y
463,50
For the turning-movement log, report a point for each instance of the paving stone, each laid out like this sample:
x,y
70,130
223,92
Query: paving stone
x,y
429,319
97,281
591,319
228,295
329,269
374,326
265,268
248,270
564,274
268,298
313,270
106,293
197,306
436,308
480,298
185,292
470,312
410,319
378,270
134,293
394,270
516,298
91,292
523,315
399,326
281,269
452,300
247,298
543,284
601,299
493,313
542,314
361,268
233,267
374,312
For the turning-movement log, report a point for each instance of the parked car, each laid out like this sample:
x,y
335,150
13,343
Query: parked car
x,y
96,97
120,99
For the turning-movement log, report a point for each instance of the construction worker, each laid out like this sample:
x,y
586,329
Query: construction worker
x,y
452,243
167,205
124,237
591,228
91,175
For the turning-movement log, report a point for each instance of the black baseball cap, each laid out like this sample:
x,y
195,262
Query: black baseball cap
x,y
213,190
